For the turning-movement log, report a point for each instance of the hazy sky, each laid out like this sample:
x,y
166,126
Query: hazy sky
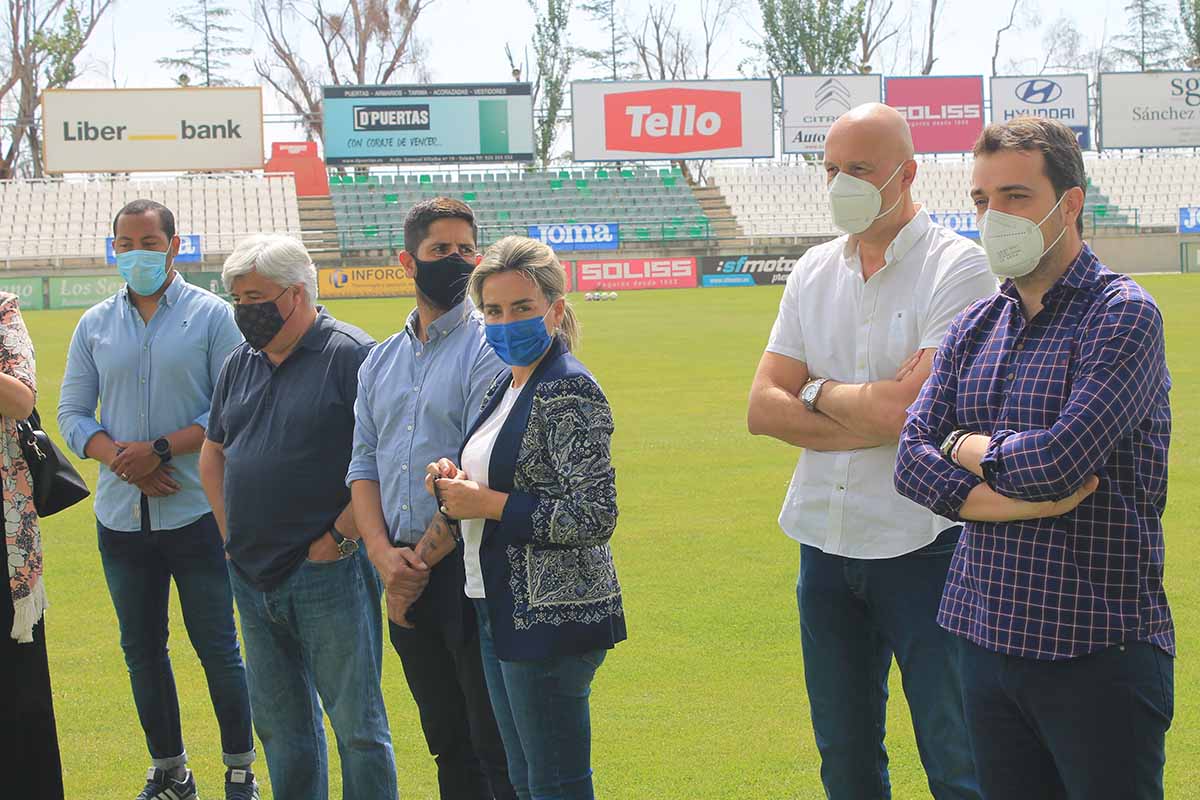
x,y
466,39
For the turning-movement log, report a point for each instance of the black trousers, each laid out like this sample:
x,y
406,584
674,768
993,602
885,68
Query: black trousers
x,y
29,759
445,674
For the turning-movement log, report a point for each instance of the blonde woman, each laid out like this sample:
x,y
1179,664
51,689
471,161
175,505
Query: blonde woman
x,y
536,496
29,757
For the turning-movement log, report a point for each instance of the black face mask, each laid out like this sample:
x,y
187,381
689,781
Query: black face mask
x,y
444,281
260,322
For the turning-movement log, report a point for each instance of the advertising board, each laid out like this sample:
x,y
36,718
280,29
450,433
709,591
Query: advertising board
x,y
139,130
655,120
944,113
430,123
811,103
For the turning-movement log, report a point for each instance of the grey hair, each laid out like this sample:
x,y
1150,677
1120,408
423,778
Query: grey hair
x,y
278,258
537,262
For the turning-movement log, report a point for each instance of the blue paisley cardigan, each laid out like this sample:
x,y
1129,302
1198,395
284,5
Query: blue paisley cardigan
x,y
547,568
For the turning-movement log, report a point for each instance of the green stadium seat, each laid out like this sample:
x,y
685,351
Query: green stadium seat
x,y
425,180
556,184
581,183
641,234
469,196
668,180
392,199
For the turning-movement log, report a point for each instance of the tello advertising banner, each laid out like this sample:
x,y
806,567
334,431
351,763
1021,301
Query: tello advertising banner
x,y
635,273
651,121
1149,109
945,114
1058,97
158,130
811,103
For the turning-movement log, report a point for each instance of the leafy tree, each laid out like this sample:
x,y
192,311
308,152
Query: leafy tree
x,y
552,59
1150,41
1189,13
817,36
208,57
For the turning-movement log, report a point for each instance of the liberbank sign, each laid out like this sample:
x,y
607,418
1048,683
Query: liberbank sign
x,y
1149,109
155,130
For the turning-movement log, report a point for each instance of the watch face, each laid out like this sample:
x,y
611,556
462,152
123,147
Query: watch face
x,y
810,393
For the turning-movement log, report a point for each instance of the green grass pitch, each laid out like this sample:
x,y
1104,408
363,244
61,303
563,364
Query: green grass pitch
x,y
706,699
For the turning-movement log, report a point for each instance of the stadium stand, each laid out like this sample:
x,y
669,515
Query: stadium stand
x,y
790,199
650,205
61,219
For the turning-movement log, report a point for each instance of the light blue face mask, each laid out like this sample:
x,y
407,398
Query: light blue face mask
x,y
144,270
519,343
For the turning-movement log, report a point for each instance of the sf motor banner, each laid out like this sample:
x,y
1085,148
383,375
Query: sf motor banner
x,y
945,114
1149,109
1058,97
811,103
748,270
427,124
365,282
635,273
139,130
655,120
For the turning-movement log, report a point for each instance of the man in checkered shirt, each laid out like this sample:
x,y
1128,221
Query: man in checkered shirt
x,y
1044,426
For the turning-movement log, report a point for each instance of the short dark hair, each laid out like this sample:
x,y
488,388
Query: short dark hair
x,y
426,212
166,220
1061,156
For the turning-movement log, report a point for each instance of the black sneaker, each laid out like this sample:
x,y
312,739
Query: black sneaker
x,y
240,785
161,786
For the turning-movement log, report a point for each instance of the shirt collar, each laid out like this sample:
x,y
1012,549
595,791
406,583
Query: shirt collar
x,y
443,325
314,338
174,289
906,239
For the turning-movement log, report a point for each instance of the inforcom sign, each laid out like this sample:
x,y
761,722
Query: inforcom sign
x,y
945,114
811,103
156,130
427,124
651,121
1059,97
1149,109
365,282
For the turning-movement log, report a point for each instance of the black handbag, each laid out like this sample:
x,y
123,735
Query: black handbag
x,y
56,484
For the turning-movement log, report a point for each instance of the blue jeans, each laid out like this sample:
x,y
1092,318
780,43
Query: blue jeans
x,y
316,642
542,711
138,568
1088,728
855,614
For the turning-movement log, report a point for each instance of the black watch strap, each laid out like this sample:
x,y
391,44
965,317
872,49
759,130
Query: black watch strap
x,y
345,546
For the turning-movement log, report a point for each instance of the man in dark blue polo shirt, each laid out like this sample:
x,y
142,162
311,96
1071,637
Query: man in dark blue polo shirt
x,y
279,441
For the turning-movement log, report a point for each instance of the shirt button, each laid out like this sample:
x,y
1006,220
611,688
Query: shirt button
x,y
404,467
404,507
1020,347
417,388
143,380
1009,376
841,488
410,427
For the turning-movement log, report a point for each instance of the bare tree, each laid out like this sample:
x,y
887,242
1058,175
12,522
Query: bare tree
x,y
1012,17
361,42
874,29
930,32
42,40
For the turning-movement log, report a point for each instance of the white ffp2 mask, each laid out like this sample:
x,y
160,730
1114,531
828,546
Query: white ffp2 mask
x,y
1014,245
854,203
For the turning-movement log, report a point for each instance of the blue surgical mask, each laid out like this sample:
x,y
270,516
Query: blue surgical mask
x,y
144,270
519,343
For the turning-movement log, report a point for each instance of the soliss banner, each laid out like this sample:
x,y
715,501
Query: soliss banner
x,y
623,274
944,114
158,130
432,123
746,270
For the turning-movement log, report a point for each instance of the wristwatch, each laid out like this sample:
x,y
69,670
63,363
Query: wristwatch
x,y
951,442
346,547
162,449
810,393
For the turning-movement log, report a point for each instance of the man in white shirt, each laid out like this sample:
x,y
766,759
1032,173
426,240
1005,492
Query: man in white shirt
x,y
858,325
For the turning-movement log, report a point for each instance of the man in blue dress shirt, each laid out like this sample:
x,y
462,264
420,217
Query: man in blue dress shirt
x,y
150,356
418,392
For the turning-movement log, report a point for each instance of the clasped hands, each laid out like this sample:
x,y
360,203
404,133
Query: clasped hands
x,y
137,464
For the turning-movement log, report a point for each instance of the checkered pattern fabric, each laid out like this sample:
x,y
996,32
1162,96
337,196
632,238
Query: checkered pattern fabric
x,y
1081,389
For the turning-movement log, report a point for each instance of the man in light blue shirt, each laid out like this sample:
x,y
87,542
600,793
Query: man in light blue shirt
x,y
150,356
418,393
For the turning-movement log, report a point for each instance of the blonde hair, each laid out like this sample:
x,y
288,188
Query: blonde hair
x,y
536,262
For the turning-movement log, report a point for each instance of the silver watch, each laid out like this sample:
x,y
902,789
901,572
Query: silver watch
x,y
346,547
810,393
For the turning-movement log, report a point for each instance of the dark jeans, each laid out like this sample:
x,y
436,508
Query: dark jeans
x,y
139,568
1089,728
855,614
445,675
29,761
314,643
544,716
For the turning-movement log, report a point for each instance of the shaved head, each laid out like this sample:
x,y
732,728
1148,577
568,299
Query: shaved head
x,y
874,129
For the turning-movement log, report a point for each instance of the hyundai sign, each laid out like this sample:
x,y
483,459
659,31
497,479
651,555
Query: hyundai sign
x,y
575,236
427,124
1059,97
189,249
1189,219
811,103
1149,109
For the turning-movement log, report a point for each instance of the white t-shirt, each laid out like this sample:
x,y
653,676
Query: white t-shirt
x,y
476,458
857,331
